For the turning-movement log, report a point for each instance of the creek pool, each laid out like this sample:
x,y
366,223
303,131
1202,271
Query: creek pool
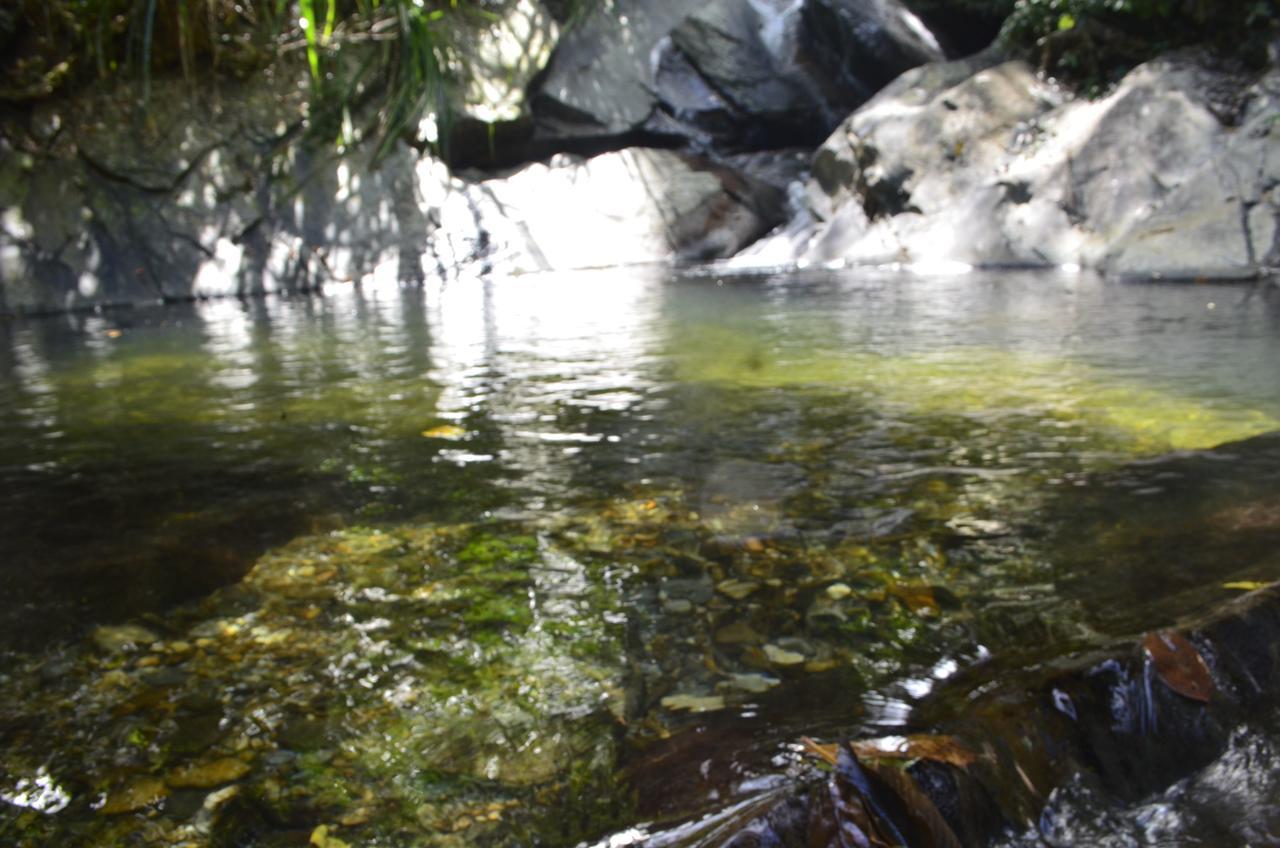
x,y
550,561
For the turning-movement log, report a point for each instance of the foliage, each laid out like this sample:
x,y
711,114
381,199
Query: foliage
x,y
396,54
1094,42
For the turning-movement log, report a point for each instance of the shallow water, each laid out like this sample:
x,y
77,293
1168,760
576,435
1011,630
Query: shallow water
x,y
543,560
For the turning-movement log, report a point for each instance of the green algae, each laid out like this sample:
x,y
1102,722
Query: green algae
x,y
979,382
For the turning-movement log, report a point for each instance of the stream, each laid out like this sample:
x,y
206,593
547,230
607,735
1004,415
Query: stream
x,y
580,559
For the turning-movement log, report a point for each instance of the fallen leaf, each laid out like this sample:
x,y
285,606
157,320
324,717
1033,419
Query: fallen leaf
x,y
1245,585
1179,665
694,703
452,432
939,749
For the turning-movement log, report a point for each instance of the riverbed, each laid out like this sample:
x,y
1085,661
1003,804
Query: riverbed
x,y
553,560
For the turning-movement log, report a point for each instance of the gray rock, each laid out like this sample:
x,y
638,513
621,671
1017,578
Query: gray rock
x,y
1223,221
631,207
211,194
739,74
979,162
601,79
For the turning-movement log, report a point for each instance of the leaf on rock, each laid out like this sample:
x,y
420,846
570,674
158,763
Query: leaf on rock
x,y
939,749
1179,665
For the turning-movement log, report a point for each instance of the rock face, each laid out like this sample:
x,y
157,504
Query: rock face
x,y
214,198
629,207
1223,221
107,201
737,74
204,196
980,162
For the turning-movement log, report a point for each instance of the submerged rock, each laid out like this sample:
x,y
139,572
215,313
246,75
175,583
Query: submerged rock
x,y
1089,749
113,639
208,774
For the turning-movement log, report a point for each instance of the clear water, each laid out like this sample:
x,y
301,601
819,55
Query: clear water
x,y
537,561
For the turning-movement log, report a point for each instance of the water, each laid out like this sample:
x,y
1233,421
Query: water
x,y
533,562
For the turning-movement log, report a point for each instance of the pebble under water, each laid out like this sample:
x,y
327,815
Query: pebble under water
x,y
580,560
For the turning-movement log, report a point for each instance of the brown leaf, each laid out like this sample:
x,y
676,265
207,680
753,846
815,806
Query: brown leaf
x,y
917,598
940,749
1179,665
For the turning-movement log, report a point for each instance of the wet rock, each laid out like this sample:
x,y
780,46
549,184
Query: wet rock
x,y
196,733
838,591
754,684
782,657
738,633
871,523
124,637
825,610
696,591
737,589
208,774
135,795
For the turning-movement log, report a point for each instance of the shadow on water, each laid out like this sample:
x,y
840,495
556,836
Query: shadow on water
x,y
1171,531
153,455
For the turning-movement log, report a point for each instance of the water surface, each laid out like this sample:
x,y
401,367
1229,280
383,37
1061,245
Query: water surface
x,y
540,560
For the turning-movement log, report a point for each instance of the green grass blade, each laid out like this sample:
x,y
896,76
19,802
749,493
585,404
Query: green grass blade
x,y
308,9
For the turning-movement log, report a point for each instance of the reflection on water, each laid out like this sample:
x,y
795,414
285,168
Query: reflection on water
x,y
533,561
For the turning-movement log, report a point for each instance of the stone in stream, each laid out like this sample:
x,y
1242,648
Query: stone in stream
x,y
1066,745
208,774
113,639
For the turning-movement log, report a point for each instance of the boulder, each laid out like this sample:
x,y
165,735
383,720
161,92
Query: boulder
x,y
601,80
632,206
981,162
1223,222
734,74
